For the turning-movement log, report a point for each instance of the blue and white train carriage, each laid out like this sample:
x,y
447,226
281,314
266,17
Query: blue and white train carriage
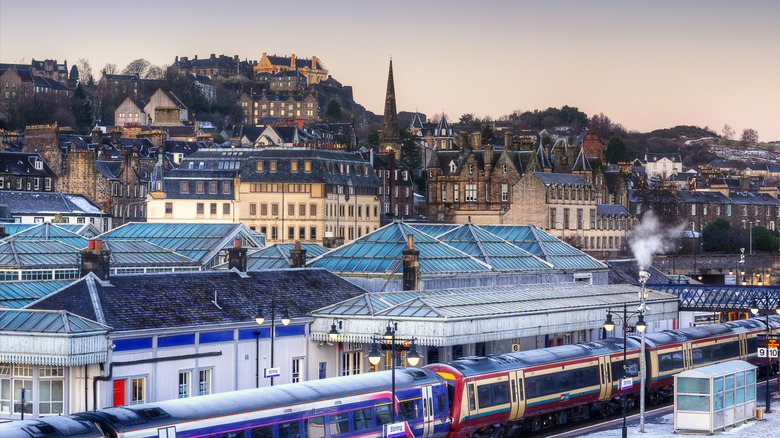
x,y
338,407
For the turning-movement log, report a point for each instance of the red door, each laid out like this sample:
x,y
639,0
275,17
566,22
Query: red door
x,y
119,392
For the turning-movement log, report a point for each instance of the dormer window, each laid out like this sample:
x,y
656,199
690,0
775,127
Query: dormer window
x,y
471,169
192,165
453,167
293,166
200,165
38,165
503,168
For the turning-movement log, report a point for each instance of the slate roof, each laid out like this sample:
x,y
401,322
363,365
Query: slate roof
x,y
612,210
29,203
23,163
17,294
165,300
47,321
563,179
201,242
673,157
753,198
627,272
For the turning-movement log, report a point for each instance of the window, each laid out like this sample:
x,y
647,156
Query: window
x,y
297,366
168,208
312,233
291,233
273,166
253,209
199,209
728,210
362,418
553,221
307,166
339,423
315,427
226,187
259,165
199,187
293,166
274,233
592,220
313,210
263,209
493,394
204,383
226,209
566,218
263,432
290,429
471,193
290,209
213,209
443,194
471,169
302,233
693,209
138,395
212,187
301,210
185,378
274,209
350,363
200,165
579,218
50,390
504,192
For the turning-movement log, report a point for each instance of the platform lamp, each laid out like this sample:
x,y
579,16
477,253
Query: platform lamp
x,y
754,310
390,341
641,326
260,319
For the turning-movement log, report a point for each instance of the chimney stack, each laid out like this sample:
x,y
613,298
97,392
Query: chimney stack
x,y
95,259
237,256
508,136
476,140
297,256
411,266
464,141
488,158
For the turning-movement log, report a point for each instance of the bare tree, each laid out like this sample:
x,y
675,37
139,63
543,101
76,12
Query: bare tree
x,y
728,132
85,71
155,72
137,67
110,69
749,136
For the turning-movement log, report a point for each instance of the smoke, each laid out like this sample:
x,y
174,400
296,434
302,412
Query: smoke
x,y
650,237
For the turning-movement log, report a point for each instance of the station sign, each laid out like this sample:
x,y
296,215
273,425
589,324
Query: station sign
x,y
394,430
630,329
272,372
626,383
768,348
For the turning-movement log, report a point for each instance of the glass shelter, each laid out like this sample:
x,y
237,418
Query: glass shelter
x,y
714,397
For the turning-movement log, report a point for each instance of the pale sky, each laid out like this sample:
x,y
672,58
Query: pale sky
x,y
647,65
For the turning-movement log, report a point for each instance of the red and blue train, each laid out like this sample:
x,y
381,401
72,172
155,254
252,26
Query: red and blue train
x,y
470,397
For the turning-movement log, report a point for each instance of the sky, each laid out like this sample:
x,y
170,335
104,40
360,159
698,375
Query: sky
x,y
646,65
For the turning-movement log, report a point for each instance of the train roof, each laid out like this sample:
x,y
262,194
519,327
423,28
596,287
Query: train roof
x,y
667,337
470,366
230,403
50,427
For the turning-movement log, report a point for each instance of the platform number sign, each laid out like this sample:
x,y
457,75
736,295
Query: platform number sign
x,y
768,348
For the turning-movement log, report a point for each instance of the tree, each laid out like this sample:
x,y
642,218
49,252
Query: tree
x,y
718,236
765,240
728,132
410,153
334,110
373,138
137,67
110,69
155,72
488,136
749,136
85,71
73,78
617,151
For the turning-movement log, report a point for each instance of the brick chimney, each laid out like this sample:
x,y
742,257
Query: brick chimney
x,y
95,259
3,233
488,158
464,142
237,256
508,136
292,61
97,136
297,256
476,140
411,266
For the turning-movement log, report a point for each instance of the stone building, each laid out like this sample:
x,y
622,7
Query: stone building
x,y
282,106
396,188
312,68
389,137
25,172
130,112
164,108
214,66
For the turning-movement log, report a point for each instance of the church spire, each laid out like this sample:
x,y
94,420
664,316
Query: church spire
x,y
389,140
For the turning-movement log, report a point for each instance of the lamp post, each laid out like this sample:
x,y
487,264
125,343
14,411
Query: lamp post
x,y
259,319
389,341
609,325
754,311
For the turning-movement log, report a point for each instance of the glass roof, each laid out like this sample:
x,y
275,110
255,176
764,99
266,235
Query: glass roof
x,y
380,252
49,231
200,242
277,256
17,294
46,321
25,254
545,246
491,249
142,253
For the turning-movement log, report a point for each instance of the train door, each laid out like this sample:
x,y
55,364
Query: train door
x,y
166,432
687,355
518,395
427,411
606,377
743,346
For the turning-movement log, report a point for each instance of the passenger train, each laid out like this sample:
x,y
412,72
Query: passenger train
x,y
470,397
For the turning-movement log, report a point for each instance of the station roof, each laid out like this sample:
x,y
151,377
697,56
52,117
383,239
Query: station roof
x,y
455,316
17,294
85,230
46,321
201,242
28,254
277,256
142,253
381,250
48,231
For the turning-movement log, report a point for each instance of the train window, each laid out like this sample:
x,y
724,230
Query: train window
x,y
632,369
752,346
407,410
591,376
493,394
362,419
472,398
665,362
531,387
315,427
565,381
514,392
339,423
234,434
383,415
548,385
677,360
701,355
442,405
263,432
520,388
290,429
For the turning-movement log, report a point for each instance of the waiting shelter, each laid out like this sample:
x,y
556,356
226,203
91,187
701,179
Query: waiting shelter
x,y
714,397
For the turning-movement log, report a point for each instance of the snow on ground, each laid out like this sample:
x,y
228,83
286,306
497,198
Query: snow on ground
x,y
663,426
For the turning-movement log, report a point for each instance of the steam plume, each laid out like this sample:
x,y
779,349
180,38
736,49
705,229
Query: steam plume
x,y
650,237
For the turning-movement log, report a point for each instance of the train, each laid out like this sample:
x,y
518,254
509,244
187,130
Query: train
x,y
472,397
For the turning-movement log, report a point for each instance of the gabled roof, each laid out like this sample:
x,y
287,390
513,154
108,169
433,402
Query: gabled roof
x,y
653,157
141,253
581,164
380,252
29,203
277,256
17,294
23,163
499,254
197,299
612,210
47,321
25,254
562,179
48,231
626,271
201,242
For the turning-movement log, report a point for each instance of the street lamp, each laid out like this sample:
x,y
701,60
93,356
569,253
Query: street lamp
x,y
333,334
754,310
641,326
390,342
260,319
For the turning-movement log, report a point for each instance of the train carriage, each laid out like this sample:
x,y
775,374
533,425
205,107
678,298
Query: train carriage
x,y
51,427
338,407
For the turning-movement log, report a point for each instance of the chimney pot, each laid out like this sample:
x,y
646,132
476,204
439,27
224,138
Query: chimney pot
x,y
91,245
236,243
98,245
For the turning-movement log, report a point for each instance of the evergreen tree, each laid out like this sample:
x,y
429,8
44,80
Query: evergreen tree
x,y
617,151
73,79
410,153
334,110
